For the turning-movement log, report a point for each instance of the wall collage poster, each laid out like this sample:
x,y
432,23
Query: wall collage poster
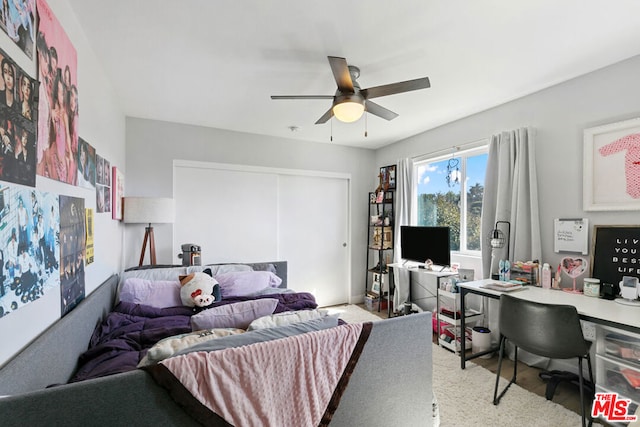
x,y
46,239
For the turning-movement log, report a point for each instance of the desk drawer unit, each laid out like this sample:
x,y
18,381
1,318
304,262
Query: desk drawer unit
x,y
617,365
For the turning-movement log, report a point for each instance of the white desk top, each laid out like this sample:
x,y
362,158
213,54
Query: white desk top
x,y
417,268
591,308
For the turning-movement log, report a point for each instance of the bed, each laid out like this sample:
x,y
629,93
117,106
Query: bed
x,y
389,381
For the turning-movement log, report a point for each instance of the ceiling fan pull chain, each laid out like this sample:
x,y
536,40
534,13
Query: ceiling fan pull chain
x,y
365,123
331,129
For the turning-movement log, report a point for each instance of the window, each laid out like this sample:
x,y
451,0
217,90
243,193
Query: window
x,y
440,183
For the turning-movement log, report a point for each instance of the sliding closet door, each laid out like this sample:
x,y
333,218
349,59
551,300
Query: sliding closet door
x,y
313,230
252,214
232,214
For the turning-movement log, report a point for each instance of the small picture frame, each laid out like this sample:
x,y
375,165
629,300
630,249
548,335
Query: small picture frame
x,y
388,177
375,288
380,196
118,194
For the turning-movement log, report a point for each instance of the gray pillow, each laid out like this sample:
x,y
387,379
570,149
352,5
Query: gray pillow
x,y
261,335
236,315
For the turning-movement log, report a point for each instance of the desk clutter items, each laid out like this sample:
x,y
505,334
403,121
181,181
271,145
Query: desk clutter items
x,y
591,287
546,276
503,286
573,267
526,272
629,287
504,270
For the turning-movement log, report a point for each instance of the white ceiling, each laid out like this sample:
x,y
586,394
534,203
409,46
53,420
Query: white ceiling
x,y
216,63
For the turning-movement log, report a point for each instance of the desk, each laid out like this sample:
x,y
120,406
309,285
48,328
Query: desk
x,y
596,310
415,268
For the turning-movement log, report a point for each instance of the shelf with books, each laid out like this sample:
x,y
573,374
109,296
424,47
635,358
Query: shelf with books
x,y
379,245
449,317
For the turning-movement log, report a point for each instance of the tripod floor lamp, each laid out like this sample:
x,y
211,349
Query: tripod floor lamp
x,y
148,210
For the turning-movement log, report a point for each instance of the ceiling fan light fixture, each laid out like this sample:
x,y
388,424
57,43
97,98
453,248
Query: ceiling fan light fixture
x,y
348,108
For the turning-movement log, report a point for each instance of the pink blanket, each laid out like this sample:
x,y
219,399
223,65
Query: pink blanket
x,y
296,381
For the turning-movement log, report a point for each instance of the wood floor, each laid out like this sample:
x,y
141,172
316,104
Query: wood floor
x,y
566,394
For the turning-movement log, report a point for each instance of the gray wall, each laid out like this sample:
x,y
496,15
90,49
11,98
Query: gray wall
x,y
152,146
102,124
559,115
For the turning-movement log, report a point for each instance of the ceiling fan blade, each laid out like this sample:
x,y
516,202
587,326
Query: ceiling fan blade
x,y
301,96
379,110
341,74
393,88
326,116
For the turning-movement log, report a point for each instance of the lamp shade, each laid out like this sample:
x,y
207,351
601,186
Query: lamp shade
x,y
147,210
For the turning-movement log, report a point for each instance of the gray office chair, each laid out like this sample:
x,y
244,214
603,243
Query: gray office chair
x,y
548,330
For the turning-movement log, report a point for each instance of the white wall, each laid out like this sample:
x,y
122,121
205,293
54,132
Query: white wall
x,y
153,145
102,124
559,114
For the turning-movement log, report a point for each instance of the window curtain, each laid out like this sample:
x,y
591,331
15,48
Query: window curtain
x,y
404,197
511,194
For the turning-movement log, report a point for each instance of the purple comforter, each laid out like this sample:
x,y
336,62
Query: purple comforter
x,y
123,338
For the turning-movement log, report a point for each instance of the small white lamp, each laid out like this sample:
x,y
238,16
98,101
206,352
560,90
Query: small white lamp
x,y
147,210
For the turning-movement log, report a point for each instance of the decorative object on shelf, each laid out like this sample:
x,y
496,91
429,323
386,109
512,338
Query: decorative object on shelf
x,y
380,197
148,210
611,179
375,287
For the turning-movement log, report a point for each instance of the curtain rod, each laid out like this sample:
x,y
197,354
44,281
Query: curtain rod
x,y
453,148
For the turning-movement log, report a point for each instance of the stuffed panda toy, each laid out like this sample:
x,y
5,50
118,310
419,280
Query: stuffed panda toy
x,y
199,290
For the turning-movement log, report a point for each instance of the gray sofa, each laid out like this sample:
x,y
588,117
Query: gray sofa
x,y
391,384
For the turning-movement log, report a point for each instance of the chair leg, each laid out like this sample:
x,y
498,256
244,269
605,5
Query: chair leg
x,y
496,398
590,379
585,415
500,355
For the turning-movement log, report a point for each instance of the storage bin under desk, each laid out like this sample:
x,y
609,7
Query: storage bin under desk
x,y
617,366
615,375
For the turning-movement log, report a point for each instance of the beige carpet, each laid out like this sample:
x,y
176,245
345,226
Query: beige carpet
x,y
465,396
351,313
465,399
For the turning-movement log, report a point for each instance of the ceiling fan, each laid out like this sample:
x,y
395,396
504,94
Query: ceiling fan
x,y
349,101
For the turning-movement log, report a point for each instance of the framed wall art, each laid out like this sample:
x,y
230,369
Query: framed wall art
x,y
388,177
611,162
118,193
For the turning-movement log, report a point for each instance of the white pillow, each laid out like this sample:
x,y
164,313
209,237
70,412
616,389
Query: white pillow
x,y
169,346
286,318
